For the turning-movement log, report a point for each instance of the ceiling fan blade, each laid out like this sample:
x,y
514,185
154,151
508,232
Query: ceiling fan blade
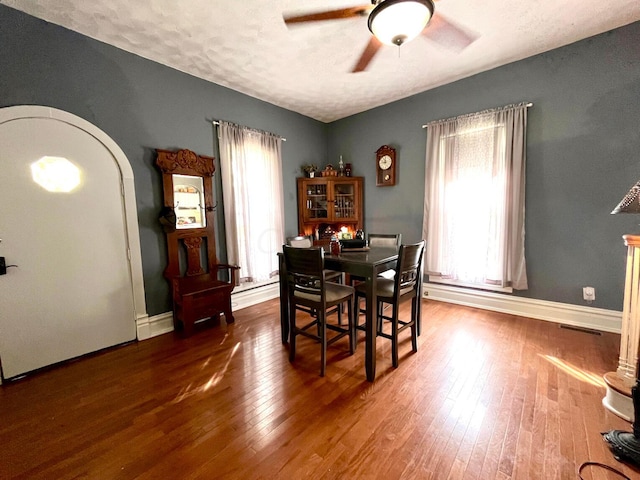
x,y
448,34
370,50
351,12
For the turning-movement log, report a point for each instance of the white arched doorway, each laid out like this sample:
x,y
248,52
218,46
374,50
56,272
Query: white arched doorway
x,y
78,284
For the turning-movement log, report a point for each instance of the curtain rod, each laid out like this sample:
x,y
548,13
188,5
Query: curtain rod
x,y
217,122
528,105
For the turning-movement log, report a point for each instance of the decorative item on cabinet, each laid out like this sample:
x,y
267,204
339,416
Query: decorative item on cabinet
x,y
329,171
309,170
334,246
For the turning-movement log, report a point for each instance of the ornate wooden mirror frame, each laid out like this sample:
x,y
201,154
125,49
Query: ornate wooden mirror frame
x,y
186,162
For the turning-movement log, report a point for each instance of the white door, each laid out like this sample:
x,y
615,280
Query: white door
x,y
71,292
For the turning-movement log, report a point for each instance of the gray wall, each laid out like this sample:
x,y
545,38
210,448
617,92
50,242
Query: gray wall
x,y
583,141
583,155
143,106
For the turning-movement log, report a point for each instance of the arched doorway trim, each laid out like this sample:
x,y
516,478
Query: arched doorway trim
x,y
130,212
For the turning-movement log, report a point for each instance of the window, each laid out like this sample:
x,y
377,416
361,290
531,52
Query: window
x,y
253,200
474,199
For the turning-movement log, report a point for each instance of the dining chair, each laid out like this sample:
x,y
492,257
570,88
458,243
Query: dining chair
x,y
306,241
404,286
385,240
380,240
307,286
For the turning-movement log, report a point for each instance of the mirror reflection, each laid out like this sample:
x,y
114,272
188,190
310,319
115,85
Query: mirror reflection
x,y
188,200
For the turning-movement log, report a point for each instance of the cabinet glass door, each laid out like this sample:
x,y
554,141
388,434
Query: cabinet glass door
x,y
344,200
317,202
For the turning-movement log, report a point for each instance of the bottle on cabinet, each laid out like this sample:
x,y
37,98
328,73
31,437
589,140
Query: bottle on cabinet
x,y
334,245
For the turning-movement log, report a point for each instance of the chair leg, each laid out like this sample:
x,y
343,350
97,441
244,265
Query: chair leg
x,y
418,317
340,280
363,312
414,323
228,312
394,336
323,341
292,330
356,314
352,325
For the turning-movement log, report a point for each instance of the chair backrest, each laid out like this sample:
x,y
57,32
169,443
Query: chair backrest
x,y
408,269
384,239
305,276
301,241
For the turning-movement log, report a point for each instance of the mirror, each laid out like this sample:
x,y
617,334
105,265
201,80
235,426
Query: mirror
x,y
188,199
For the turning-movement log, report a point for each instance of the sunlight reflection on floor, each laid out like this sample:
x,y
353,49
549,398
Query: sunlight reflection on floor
x,y
467,363
576,372
212,382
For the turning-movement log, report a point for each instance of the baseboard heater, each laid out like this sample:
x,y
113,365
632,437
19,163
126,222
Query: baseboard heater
x,y
581,329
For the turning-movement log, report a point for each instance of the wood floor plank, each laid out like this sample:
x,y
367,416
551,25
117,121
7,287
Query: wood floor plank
x,y
487,396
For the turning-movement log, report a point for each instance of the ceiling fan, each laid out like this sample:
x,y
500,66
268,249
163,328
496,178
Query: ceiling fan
x,y
394,22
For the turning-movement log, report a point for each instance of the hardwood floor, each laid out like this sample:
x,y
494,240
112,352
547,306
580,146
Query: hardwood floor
x,y
487,396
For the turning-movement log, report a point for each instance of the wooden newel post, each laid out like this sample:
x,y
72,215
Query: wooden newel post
x,y
630,334
620,382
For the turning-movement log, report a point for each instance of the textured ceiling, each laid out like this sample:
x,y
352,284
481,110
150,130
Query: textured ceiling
x,y
245,45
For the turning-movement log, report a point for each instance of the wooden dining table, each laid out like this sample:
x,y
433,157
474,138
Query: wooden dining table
x,y
365,264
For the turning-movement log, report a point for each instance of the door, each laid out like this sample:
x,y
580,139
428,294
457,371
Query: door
x,y
71,292
345,197
314,200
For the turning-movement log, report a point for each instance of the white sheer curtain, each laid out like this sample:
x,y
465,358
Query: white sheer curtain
x,y
251,171
474,198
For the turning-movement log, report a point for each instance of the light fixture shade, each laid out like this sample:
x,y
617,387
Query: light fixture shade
x,y
631,201
395,22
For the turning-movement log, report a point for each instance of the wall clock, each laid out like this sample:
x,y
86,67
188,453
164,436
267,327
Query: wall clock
x,y
385,166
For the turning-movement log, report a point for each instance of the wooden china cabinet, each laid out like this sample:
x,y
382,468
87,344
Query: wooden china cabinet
x,y
332,202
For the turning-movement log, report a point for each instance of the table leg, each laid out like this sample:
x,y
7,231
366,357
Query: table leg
x,y
371,328
284,300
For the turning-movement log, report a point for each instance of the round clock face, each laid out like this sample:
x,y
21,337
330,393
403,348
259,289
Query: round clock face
x,y
385,162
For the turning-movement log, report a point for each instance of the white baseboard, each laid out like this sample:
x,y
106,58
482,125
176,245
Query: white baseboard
x,y
155,325
563,313
150,327
253,296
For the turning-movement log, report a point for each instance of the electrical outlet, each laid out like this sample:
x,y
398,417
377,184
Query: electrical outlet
x,y
589,294
3,266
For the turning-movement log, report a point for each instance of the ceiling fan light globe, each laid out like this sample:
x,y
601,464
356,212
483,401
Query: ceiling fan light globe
x,y
395,22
